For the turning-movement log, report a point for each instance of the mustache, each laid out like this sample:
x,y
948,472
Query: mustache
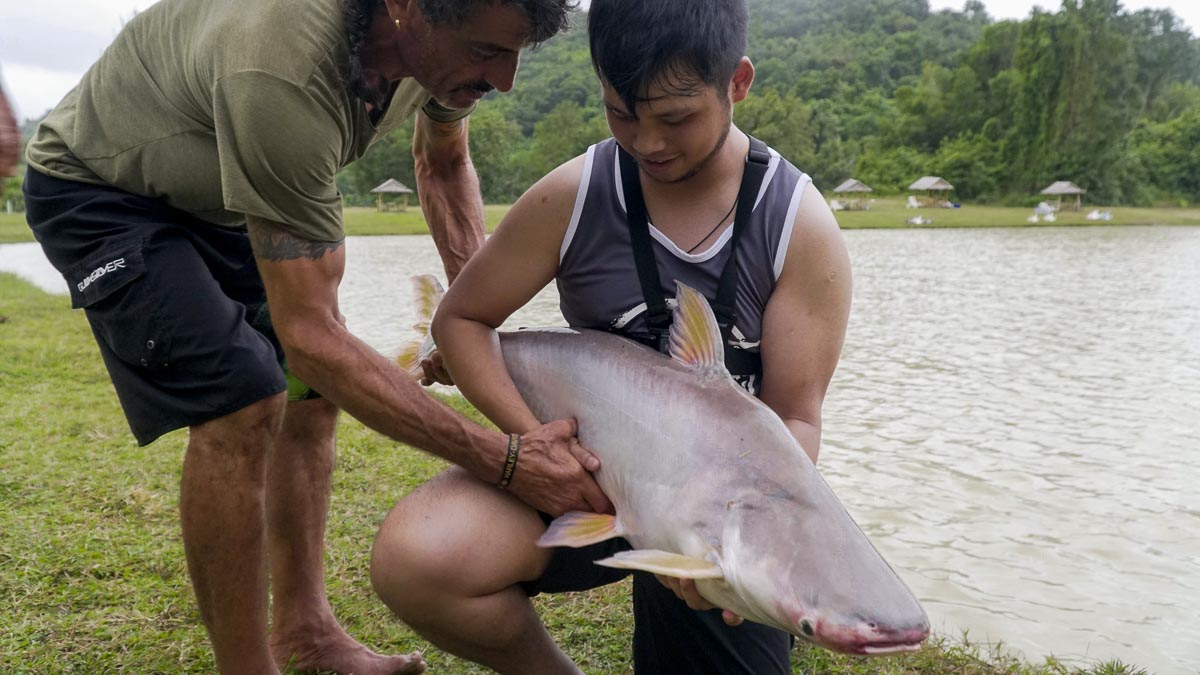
x,y
481,87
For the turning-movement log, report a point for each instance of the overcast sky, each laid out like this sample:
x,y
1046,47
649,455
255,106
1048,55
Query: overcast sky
x,y
46,45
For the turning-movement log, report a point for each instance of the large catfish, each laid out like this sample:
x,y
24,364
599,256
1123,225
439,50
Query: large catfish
x,y
708,483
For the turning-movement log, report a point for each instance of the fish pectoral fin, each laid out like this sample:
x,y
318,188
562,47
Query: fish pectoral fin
x,y
665,563
578,528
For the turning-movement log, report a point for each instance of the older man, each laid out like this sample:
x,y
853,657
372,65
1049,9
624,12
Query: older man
x,y
186,185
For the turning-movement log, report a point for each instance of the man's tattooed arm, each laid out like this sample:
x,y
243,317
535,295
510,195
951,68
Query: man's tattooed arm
x,y
274,243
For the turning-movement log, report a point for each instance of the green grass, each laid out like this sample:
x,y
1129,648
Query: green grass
x,y
890,213
13,228
368,221
92,574
887,213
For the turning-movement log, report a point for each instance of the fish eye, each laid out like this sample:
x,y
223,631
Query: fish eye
x,y
806,627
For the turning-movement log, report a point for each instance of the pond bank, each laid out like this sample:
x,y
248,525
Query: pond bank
x,y
884,214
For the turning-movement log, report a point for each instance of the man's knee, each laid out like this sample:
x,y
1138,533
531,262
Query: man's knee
x,y
453,537
308,430
244,433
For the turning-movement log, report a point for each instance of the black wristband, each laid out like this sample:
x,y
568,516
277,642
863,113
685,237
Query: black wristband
x,y
510,461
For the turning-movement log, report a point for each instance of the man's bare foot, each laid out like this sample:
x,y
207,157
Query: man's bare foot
x,y
338,652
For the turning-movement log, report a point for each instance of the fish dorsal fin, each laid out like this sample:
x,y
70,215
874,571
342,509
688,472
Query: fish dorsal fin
x,y
428,292
664,562
695,336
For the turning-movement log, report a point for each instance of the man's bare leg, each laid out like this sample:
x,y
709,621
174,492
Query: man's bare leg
x,y
221,508
305,634
447,560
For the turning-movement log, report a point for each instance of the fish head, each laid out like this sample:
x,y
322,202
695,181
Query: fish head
x,y
804,566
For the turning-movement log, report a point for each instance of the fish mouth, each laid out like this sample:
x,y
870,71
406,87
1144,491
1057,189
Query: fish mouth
x,y
883,642
881,648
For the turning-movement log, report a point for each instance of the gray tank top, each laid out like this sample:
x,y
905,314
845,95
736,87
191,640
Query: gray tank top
x,y
597,277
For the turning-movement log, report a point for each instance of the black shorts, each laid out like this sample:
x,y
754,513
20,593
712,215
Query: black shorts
x,y
170,299
669,638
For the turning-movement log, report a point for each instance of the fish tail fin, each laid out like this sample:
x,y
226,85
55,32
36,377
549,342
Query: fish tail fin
x,y
428,292
577,529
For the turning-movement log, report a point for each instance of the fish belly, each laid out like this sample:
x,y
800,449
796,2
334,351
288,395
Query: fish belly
x,y
637,410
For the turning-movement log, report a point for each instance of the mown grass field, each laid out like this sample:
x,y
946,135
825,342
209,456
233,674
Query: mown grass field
x,y
92,574
884,213
359,221
891,213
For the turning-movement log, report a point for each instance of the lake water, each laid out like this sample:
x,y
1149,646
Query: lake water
x,y
1015,422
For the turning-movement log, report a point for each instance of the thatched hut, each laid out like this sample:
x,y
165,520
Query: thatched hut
x,y
854,188
1065,187
936,189
391,186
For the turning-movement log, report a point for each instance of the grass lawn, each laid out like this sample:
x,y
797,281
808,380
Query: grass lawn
x,y
367,221
891,213
92,573
884,213
359,221
13,228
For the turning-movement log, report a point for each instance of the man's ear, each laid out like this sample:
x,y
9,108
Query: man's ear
x,y
743,77
400,10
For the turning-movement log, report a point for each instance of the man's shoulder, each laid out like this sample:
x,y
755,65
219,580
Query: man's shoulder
x,y
293,40
565,178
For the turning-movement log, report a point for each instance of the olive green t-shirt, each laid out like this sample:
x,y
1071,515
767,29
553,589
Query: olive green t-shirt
x,y
224,108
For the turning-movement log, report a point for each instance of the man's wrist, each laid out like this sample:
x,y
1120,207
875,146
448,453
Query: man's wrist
x,y
513,451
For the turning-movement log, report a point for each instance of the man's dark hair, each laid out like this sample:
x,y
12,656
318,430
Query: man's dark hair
x,y
547,18
639,43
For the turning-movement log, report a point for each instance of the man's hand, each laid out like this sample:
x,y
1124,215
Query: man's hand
x,y
685,590
554,472
435,370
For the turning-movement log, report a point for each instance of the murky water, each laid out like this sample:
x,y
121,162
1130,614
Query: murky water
x,y
1015,422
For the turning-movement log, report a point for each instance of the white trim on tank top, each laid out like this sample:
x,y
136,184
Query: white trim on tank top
x,y
663,239
772,165
789,224
580,198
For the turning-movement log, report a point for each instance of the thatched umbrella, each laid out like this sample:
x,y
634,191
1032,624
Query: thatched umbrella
x,y
391,186
1065,187
853,185
935,187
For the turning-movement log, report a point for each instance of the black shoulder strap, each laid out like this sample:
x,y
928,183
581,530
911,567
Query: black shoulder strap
x,y
658,319
757,161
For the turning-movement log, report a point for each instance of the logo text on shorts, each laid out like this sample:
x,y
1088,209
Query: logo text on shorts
x,y
110,266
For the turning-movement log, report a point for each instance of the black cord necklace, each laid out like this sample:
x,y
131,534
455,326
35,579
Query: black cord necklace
x,y
719,224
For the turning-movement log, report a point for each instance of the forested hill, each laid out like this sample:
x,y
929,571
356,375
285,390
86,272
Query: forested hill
x,y
887,91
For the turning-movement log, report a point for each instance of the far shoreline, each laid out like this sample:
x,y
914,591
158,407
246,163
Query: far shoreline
x,y
884,214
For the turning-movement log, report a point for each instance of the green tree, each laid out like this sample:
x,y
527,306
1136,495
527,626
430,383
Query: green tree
x,y
565,132
495,141
388,157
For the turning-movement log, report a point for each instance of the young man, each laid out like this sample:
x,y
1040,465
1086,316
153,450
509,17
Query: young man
x,y
671,71
207,114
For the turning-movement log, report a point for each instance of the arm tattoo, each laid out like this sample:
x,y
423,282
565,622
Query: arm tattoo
x,y
275,244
